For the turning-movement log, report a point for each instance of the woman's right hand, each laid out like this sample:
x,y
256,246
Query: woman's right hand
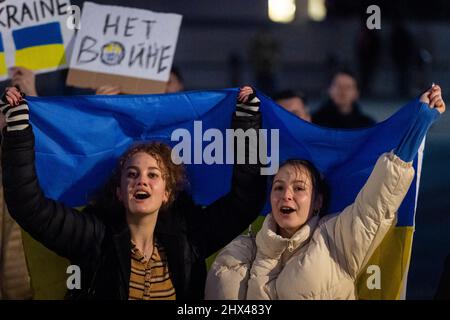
x,y
108,90
433,97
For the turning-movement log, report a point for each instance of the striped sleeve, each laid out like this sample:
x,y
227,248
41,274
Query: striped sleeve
x,y
249,108
17,117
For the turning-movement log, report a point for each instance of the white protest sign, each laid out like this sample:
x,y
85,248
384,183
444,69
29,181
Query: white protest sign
x,y
34,35
126,41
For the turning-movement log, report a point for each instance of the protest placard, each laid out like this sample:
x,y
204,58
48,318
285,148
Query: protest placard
x,y
127,47
34,35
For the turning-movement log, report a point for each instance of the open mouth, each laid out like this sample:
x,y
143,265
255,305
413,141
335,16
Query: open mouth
x,y
141,195
286,210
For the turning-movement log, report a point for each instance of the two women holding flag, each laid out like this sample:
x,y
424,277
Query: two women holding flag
x,y
148,240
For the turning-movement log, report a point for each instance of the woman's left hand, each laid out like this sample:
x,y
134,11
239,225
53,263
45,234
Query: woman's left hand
x,y
433,97
244,93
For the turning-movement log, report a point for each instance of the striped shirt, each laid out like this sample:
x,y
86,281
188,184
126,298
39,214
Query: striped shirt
x,y
150,280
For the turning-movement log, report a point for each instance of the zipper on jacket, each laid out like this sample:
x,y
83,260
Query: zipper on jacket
x,y
290,246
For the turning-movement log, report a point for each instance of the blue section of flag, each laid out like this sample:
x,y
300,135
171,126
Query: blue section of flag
x,y
78,140
40,35
1,43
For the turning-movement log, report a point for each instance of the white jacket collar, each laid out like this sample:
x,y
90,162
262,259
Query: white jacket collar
x,y
273,245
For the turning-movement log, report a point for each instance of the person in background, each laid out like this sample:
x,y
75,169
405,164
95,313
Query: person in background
x,y
342,110
14,276
176,81
175,84
24,79
294,102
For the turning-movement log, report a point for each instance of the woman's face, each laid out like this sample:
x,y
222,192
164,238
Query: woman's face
x,y
291,199
142,186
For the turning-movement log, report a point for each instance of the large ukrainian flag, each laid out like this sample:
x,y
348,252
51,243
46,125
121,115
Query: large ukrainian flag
x,y
40,47
3,69
74,158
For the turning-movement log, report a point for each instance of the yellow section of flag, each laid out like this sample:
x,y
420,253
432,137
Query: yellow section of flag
x,y
41,57
47,270
385,274
3,69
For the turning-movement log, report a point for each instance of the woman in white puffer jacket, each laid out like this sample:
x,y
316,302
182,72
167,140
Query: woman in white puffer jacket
x,y
297,254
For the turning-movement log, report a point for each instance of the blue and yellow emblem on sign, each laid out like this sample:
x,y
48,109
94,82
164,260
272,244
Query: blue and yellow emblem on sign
x,y
112,53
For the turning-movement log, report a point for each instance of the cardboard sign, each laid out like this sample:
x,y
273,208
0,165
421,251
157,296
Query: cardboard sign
x,y
128,47
34,35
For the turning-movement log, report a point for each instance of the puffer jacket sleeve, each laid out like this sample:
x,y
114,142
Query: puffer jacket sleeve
x,y
355,233
60,228
228,276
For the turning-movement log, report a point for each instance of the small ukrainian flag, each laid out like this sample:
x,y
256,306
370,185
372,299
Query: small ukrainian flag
x,y
40,47
3,69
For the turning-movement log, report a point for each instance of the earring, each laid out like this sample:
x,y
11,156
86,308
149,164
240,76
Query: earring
x,y
316,211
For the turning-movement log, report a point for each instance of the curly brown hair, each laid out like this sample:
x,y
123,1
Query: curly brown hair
x,y
108,207
173,174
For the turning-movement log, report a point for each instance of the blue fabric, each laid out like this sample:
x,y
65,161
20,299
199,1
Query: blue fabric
x,y
79,138
408,147
40,35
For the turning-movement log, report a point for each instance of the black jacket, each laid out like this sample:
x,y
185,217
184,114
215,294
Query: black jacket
x,y
329,116
188,232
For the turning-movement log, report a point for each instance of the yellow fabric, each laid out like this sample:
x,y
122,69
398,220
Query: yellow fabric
x,y
41,57
393,257
47,270
3,69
